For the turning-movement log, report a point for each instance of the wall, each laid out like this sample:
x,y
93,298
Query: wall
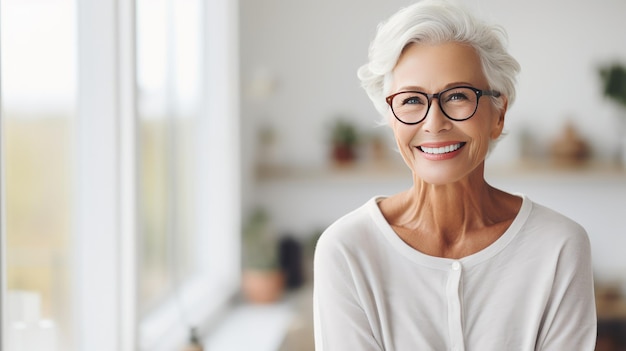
x,y
298,70
312,49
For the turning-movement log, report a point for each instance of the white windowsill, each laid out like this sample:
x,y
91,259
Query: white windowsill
x,y
253,327
167,327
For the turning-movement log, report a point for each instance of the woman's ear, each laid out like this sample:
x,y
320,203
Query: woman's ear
x,y
499,125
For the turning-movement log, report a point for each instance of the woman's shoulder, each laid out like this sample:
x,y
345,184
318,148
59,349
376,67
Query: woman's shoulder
x,y
551,224
548,216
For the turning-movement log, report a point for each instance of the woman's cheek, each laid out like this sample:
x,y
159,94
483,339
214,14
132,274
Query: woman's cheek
x,y
480,147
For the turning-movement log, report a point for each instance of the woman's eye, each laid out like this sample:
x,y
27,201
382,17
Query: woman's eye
x,y
458,96
413,100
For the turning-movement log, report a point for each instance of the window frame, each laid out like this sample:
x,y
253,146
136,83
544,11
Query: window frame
x,y
104,229
3,285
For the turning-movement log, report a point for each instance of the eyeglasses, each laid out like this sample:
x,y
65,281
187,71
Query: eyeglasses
x,y
457,103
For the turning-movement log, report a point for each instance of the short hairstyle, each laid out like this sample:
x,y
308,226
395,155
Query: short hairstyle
x,y
435,22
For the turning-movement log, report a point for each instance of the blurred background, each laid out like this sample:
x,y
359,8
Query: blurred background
x,y
161,159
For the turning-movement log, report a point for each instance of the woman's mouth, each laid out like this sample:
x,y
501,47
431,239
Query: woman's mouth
x,y
442,149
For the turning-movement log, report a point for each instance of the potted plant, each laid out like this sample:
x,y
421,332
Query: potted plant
x,y
344,139
614,83
263,280
613,78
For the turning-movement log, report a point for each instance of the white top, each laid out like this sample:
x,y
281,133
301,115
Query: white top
x,y
532,289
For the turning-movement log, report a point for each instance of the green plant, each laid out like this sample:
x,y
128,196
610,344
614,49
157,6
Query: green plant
x,y
344,133
260,247
614,82
344,139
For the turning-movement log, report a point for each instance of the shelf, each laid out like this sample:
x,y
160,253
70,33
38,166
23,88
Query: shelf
x,y
397,171
544,170
358,171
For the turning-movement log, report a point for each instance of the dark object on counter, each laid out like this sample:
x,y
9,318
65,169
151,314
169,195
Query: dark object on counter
x,y
290,256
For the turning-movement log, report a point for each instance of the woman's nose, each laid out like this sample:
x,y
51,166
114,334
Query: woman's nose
x,y
436,121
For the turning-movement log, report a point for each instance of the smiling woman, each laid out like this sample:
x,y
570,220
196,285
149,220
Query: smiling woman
x,y
451,263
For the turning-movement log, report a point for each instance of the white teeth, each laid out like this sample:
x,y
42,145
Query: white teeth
x,y
441,150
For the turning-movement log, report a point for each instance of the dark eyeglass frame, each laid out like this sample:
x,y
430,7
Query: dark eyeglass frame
x,y
429,97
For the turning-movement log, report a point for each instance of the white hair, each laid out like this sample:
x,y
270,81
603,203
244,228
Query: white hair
x,y
435,22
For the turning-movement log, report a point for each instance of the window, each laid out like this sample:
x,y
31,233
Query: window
x,y
188,135
38,96
169,71
137,180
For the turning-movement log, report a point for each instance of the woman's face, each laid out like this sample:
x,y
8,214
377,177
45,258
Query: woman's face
x,y
431,69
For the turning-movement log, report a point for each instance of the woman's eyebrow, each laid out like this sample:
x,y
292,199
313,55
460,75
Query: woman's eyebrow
x,y
421,89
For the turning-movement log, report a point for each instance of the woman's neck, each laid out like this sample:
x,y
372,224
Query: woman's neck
x,y
453,219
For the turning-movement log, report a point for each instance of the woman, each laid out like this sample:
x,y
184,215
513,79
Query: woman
x,y
451,263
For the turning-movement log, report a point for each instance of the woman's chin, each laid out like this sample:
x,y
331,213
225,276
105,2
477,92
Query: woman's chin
x,y
442,174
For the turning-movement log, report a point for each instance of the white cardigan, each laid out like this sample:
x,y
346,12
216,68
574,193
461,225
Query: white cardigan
x,y
532,289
